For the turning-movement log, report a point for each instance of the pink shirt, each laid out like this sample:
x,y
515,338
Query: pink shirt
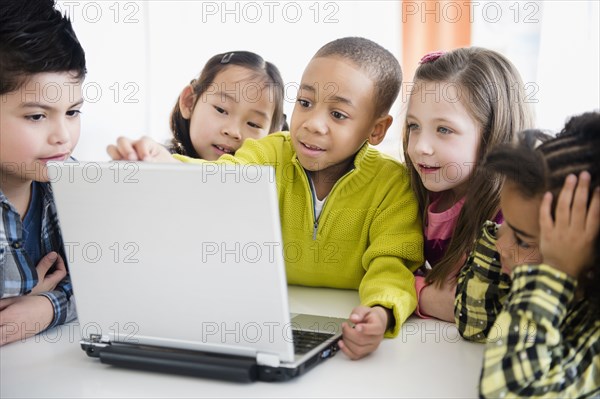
x,y
438,231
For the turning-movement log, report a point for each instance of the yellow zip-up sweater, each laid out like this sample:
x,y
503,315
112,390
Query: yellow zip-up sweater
x,y
368,237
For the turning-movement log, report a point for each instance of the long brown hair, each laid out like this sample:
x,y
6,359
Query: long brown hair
x,y
492,91
180,127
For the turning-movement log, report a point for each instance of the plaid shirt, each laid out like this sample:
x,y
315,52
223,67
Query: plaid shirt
x,y
542,343
17,271
482,288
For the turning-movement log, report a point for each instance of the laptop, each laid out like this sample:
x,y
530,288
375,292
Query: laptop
x,y
180,268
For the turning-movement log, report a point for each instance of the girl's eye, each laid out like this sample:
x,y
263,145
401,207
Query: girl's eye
x,y
338,115
444,130
73,112
412,126
36,117
521,243
254,125
220,110
303,103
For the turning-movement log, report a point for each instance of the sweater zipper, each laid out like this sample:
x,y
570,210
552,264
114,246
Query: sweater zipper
x,y
314,204
314,200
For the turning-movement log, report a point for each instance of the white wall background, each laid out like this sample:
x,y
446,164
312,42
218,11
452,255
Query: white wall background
x,y
141,54
554,44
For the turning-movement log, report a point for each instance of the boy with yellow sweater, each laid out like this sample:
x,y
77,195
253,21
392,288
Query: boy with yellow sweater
x,y
348,215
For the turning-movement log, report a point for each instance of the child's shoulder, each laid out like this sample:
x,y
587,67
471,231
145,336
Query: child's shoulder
x,y
384,165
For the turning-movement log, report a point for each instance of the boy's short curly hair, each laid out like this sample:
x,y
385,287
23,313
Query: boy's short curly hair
x,y
379,64
35,38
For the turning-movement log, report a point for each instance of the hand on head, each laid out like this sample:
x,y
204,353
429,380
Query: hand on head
x,y
144,149
568,242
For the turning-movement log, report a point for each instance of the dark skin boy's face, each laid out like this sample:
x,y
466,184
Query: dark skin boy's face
x,y
334,116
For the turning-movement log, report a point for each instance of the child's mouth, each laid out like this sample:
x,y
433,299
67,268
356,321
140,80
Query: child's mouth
x,y
312,148
223,150
428,169
59,157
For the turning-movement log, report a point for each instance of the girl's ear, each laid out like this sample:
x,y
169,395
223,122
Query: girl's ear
x,y
380,128
187,99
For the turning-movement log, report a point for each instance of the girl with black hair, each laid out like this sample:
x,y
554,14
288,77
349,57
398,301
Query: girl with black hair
x,y
238,95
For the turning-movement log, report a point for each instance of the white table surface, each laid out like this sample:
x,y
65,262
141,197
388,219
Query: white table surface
x,y
428,359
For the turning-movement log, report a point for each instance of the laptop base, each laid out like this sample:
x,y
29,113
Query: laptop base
x,y
174,361
198,364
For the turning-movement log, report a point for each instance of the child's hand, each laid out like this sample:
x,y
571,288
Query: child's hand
x,y
144,149
24,316
369,327
568,244
48,282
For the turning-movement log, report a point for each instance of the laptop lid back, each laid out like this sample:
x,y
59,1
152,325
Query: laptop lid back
x,y
183,256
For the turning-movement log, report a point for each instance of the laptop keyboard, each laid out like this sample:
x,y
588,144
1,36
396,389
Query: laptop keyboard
x,y
305,341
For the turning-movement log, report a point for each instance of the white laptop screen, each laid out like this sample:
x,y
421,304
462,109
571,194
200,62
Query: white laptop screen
x,y
184,256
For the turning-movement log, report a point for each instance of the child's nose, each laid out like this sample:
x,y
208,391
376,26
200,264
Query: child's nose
x,y
232,131
422,145
316,123
60,133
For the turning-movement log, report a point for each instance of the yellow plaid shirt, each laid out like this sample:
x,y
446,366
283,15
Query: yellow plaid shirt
x,y
482,288
543,342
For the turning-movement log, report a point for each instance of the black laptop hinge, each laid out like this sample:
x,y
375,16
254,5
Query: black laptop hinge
x,y
93,345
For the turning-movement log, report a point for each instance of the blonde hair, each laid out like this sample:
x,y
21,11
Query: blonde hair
x,y
492,91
